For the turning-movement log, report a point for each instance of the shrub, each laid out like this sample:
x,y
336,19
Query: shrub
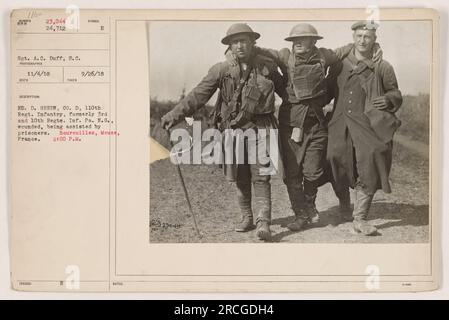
x,y
415,115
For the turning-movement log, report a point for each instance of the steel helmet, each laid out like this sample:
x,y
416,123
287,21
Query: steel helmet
x,y
303,30
238,28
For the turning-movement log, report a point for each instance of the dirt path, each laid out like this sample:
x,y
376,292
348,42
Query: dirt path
x,y
401,216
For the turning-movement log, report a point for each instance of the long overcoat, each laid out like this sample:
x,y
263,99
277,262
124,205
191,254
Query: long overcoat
x,y
360,137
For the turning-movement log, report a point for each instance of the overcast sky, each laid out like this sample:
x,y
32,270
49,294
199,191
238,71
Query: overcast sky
x,y
182,52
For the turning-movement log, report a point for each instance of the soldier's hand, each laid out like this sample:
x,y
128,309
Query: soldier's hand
x,y
377,53
167,121
381,103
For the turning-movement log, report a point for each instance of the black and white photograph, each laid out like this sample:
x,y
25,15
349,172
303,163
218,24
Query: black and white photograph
x,y
290,131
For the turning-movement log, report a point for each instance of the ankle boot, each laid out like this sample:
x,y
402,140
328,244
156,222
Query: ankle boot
x,y
298,203
246,222
263,220
301,220
361,207
312,212
263,231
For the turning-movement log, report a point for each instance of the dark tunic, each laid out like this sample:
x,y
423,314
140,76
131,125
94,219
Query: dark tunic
x,y
356,153
293,111
305,160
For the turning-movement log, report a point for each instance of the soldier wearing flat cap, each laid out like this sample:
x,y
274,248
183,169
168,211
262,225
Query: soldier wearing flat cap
x,y
303,126
362,126
245,101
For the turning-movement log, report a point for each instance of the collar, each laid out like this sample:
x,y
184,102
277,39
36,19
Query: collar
x,y
368,62
307,57
360,65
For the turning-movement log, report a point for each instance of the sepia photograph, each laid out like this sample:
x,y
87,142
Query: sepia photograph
x,y
256,150
290,131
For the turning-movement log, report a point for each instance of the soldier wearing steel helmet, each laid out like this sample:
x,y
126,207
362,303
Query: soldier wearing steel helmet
x,y
303,131
245,101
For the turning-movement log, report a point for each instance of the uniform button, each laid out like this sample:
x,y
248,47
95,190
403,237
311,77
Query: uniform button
x,y
349,111
350,92
350,101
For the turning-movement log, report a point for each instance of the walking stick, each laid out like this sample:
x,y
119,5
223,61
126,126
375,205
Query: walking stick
x,y
186,194
178,168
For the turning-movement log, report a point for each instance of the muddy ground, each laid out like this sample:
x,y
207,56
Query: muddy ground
x,y
401,217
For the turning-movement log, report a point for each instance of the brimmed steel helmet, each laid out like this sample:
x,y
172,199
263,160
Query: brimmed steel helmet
x,y
303,30
239,28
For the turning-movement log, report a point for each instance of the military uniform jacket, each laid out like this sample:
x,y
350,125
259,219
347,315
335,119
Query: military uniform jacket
x,y
294,109
225,77
350,128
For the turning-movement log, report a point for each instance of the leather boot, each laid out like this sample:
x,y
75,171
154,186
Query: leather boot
x,y
361,207
246,223
263,220
312,212
244,199
297,200
263,231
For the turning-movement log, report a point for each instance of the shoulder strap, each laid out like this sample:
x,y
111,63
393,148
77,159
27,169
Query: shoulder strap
x,y
243,80
345,55
291,61
379,85
233,104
